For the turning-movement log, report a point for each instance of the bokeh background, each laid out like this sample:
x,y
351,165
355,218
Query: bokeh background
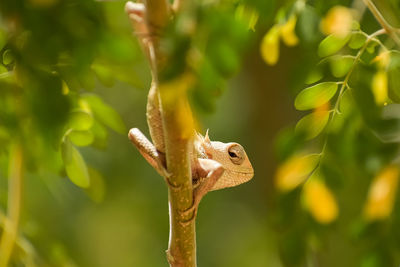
x,y
55,52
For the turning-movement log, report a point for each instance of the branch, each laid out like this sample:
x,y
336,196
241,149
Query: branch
x,y
391,31
177,125
22,245
10,229
157,14
178,130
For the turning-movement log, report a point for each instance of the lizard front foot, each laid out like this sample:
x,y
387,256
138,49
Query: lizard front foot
x,y
152,155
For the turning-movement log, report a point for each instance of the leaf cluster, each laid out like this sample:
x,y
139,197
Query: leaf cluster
x,y
53,55
207,41
352,130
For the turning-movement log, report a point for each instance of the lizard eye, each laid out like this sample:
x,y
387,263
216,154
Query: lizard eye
x,y
236,154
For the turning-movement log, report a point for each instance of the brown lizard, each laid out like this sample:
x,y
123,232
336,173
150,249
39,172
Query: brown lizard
x,y
214,165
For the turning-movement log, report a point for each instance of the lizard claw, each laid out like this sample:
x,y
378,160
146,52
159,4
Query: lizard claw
x,y
192,209
166,175
164,172
173,187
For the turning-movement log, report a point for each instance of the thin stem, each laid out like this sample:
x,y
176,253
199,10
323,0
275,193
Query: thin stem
x,y
182,240
10,230
157,14
21,244
345,85
391,31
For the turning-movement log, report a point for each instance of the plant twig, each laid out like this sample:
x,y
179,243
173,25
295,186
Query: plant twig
x,y
10,230
178,143
182,241
390,30
21,244
345,85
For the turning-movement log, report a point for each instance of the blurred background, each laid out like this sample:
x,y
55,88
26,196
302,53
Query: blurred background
x,y
73,80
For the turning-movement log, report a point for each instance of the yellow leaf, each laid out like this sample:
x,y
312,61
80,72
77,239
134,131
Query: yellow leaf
x,y
65,88
382,59
320,201
382,194
288,32
380,87
295,171
337,21
270,46
174,99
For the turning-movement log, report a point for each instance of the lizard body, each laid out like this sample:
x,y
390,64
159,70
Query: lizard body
x,y
230,156
214,165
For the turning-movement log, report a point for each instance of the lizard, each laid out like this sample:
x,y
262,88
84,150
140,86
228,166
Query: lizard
x,y
214,165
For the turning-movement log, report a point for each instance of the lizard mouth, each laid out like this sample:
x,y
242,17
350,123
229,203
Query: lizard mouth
x,y
244,172
242,175
234,178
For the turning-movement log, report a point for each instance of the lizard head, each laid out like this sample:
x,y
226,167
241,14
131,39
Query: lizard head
x,y
233,158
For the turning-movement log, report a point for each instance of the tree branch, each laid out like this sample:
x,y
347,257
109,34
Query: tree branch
x,y
391,31
157,14
178,129
178,138
10,229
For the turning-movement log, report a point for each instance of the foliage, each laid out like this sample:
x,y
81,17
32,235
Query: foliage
x,y
349,96
46,72
62,67
54,55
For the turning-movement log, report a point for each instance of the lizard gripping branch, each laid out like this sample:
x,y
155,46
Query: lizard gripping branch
x,y
191,164
170,152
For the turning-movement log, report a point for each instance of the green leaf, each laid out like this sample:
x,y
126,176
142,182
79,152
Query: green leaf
x,y
357,40
105,113
315,96
313,124
355,25
80,120
332,44
341,65
81,138
371,46
248,15
346,102
75,165
314,76
8,57
336,124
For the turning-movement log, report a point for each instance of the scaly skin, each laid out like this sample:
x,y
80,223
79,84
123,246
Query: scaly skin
x,y
214,165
